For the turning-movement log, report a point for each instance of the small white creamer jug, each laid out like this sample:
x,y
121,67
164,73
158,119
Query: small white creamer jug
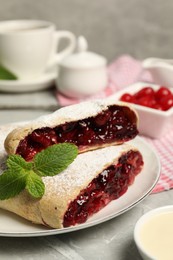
x,y
161,71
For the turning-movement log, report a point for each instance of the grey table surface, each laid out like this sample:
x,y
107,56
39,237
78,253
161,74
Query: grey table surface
x,y
112,240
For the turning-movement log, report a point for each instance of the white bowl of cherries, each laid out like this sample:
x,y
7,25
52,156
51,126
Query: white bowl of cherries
x,y
154,105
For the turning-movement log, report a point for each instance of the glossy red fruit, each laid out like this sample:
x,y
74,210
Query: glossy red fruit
x,y
166,102
162,92
102,118
45,137
86,137
146,101
157,106
147,91
126,97
162,99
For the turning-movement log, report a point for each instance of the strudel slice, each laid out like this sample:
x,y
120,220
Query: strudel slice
x,y
89,125
93,180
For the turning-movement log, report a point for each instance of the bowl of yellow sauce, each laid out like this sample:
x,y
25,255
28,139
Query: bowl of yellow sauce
x,y
153,234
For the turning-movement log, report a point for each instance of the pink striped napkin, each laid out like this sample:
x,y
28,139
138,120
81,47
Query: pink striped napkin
x,y
122,72
164,149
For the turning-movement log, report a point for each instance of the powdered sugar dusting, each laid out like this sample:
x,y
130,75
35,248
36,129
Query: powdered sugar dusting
x,y
74,112
4,130
84,168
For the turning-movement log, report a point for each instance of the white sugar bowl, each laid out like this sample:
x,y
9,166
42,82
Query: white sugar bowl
x,y
83,73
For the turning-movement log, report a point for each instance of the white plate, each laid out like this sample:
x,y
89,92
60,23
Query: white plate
x,y
14,226
18,86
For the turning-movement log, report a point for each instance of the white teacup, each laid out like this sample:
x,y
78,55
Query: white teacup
x,y
30,47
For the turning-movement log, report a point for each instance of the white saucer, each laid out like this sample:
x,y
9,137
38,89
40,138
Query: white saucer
x,y
16,86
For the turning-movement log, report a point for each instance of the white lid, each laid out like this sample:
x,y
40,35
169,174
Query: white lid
x,y
83,58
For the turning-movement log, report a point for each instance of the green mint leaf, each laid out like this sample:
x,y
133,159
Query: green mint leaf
x,y
22,175
54,159
11,184
5,74
35,185
17,163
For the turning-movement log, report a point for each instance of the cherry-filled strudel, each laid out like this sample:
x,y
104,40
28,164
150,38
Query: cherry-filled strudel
x,y
93,180
89,125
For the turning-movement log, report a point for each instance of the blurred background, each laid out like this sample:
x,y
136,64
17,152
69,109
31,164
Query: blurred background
x,y
141,28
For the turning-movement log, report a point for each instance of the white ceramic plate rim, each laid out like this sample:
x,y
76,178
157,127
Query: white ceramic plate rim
x,y
14,226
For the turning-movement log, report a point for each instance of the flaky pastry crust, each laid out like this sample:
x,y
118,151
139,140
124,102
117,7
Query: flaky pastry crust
x,y
64,187
64,115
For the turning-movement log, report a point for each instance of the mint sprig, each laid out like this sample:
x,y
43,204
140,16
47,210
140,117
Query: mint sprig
x,y
5,74
22,175
35,185
11,184
61,156
17,163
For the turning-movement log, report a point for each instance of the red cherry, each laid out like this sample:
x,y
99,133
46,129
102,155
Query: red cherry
x,y
166,102
147,91
162,92
162,99
44,137
157,106
126,97
85,137
146,101
102,118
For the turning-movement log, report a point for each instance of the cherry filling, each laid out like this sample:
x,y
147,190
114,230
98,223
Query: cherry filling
x,y
114,124
112,183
